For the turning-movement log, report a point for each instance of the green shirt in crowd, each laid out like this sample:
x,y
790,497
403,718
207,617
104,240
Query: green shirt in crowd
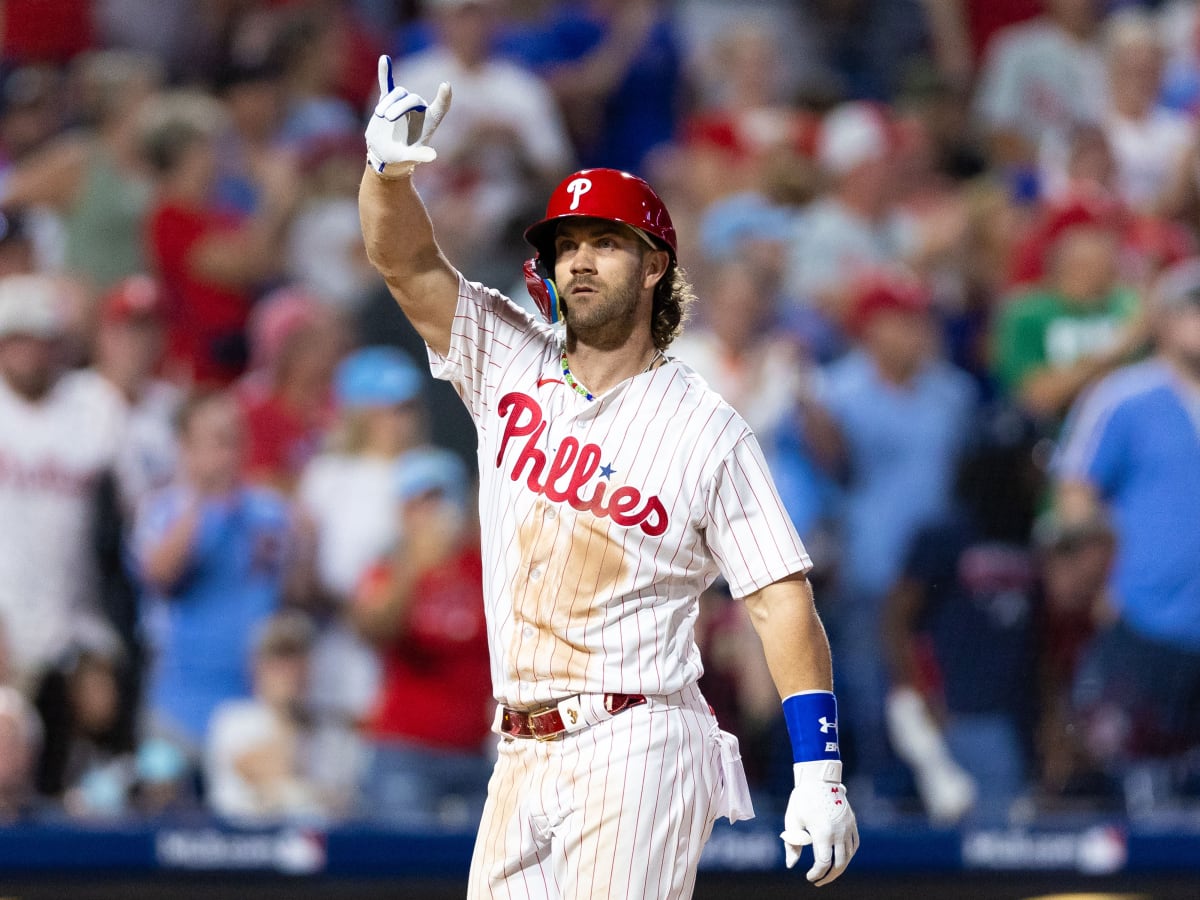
x,y
1041,329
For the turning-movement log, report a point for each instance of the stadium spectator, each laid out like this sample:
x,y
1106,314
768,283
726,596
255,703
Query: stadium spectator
x,y
1133,448
127,352
1086,191
505,144
423,607
1041,76
902,417
286,396
250,86
856,227
93,177
1148,140
347,493
1053,341
325,254
210,261
1179,24
215,558
313,52
30,111
178,32
993,223
616,68
765,374
746,123
59,432
865,46
960,31
966,605
1074,560
94,772
347,489
262,752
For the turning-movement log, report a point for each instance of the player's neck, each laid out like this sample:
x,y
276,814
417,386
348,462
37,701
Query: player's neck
x,y
601,369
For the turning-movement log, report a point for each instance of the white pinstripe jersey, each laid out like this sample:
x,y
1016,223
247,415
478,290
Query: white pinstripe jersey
x,y
604,520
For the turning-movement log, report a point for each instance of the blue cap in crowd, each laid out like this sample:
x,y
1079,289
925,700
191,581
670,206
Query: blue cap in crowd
x,y
376,376
731,221
428,469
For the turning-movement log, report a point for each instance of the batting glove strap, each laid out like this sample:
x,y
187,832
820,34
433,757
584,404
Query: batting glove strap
x,y
818,813
386,170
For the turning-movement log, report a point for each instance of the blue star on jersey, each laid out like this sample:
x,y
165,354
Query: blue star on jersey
x,y
606,471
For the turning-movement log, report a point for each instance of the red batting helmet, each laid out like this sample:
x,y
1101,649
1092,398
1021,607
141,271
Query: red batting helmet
x,y
599,194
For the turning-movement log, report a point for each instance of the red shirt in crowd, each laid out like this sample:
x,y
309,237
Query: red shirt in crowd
x,y
986,17
205,320
45,31
437,684
280,440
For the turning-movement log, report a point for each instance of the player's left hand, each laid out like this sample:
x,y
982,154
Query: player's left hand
x,y
400,128
818,813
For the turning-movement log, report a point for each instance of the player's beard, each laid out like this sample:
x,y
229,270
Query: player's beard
x,y
606,318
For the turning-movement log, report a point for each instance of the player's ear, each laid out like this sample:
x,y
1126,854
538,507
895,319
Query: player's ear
x,y
654,266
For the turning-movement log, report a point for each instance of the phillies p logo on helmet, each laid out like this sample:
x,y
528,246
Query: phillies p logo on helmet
x,y
577,187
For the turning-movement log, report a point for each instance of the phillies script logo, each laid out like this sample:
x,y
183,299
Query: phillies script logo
x,y
575,464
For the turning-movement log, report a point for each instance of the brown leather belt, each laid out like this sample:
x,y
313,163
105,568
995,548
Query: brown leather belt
x,y
546,724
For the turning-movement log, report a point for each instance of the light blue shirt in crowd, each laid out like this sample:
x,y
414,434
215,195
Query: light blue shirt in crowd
x,y
903,446
1136,438
202,631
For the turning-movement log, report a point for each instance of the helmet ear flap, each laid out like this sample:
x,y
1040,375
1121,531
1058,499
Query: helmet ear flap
x,y
542,289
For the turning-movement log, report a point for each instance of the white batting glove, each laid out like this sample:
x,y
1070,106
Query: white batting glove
x,y
818,813
401,126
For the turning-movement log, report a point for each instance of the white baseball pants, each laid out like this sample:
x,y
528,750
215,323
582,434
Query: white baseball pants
x,y
621,809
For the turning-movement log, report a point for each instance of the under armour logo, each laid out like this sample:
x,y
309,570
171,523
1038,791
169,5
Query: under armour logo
x,y
826,725
574,716
577,187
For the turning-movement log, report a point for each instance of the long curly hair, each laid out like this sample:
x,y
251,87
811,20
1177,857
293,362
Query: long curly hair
x,y
673,299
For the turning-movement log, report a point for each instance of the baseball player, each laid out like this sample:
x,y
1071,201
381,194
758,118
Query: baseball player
x,y
614,487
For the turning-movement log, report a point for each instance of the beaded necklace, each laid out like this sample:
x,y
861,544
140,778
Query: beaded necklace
x,y
580,389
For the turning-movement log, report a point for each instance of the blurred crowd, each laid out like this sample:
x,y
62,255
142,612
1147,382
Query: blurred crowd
x,y
948,256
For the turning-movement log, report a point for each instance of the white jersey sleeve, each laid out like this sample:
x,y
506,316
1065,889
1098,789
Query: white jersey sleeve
x,y
489,332
749,532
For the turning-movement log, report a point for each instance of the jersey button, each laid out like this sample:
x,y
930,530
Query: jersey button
x,y
527,631
535,573
551,514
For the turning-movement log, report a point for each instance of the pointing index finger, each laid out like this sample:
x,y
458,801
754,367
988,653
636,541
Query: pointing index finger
x,y
386,85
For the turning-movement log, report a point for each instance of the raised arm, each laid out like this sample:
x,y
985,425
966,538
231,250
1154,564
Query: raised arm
x,y
396,227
